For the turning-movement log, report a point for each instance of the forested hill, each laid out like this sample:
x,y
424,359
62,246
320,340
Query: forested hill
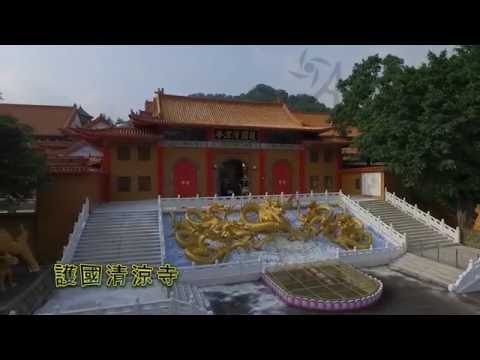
x,y
261,92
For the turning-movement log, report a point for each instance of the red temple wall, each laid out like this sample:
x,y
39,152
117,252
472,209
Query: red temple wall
x,y
133,168
58,206
322,168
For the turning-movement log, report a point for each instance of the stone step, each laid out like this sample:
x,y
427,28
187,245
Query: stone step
x,y
423,239
407,225
419,241
113,224
121,234
117,219
118,240
119,229
99,222
87,253
381,208
389,213
371,203
124,213
133,211
400,217
157,260
393,215
403,221
141,258
385,211
414,230
425,235
411,225
153,243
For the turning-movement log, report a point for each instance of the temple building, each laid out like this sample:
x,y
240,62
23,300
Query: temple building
x,y
184,146
179,146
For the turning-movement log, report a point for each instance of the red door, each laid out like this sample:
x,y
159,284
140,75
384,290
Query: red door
x,y
185,179
282,178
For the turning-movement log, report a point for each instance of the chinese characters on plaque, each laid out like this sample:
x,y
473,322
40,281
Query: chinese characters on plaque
x,y
235,135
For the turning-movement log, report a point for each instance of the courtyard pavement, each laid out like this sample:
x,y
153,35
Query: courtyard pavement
x,y
402,296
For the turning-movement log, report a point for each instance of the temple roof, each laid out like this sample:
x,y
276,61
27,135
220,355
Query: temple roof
x,y
313,119
114,132
191,111
84,114
72,165
43,119
99,122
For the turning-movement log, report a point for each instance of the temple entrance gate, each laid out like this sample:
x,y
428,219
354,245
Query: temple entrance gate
x,y
232,178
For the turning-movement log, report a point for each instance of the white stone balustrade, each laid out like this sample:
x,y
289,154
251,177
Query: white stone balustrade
x,y
161,233
76,234
424,217
469,280
387,231
181,203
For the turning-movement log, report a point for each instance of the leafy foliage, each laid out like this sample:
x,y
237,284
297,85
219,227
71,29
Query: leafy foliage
x,y
22,169
422,122
262,92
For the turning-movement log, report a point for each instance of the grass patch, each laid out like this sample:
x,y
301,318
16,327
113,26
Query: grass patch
x,y
472,238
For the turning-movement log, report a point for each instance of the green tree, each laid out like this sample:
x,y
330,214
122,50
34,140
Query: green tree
x,y
22,169
262,92
422,122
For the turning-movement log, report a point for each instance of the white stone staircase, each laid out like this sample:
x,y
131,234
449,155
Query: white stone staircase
x,y
124,232
419,235
426,270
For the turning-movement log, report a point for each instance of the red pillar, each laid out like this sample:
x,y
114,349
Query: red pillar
x,y
339,166
210,135
301,166
160,173
261,171
106,165
210,171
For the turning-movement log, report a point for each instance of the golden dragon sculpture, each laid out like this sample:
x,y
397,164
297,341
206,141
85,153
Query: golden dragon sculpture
x,y
209,235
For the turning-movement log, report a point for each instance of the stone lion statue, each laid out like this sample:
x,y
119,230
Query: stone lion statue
x,y
10,253
6,273
476,226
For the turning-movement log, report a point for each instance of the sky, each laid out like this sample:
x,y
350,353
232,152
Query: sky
x,y
115,79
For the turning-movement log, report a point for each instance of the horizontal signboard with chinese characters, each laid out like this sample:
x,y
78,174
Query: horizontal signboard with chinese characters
x,y
67,275
235,135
